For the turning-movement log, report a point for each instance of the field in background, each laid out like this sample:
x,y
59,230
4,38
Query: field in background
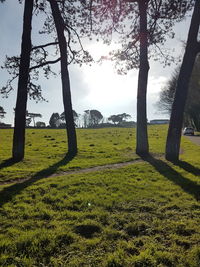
x,y
144,214
46,149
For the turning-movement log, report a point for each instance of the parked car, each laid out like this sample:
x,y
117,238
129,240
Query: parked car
x,y
188,131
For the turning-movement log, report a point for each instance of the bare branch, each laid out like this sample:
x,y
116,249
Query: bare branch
x,y
45,63
43,46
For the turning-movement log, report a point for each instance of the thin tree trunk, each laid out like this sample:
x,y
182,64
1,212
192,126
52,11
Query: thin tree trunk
x,y
196,121
33,121
176,120
21,103
70,126
142,146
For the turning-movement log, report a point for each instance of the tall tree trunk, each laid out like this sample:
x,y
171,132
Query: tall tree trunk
x,y
142,146
70,126
20,110
176,119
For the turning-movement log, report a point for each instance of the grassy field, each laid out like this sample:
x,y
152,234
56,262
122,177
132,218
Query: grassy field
x,y
144,214
46,150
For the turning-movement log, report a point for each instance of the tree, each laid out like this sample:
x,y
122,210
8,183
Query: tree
x,y
40,124
20,110
142,146
176,119
53,122
95,117
32,116
72,14
75,116
113,118
119,118
147,23
28,122
192,107
125,116
86,117
2,112
92,117
70,127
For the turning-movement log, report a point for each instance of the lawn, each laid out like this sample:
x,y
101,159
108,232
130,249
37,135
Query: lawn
x,y
46,150
144,214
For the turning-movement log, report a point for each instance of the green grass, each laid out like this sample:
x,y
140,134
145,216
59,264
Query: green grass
x,y
144,214
46,149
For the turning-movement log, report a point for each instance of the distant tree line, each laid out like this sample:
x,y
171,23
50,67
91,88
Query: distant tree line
x,y
2,112
91,119
2,116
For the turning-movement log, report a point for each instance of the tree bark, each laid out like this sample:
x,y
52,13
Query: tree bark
x,y
70,126
21,103
176,119
142,146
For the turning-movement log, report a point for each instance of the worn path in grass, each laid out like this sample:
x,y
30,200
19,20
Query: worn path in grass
x,y
92,169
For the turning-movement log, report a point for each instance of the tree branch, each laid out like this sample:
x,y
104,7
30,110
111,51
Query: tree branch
x,y
67,27
44,64
45,45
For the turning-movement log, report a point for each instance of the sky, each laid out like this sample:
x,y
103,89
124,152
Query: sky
x,y
96,87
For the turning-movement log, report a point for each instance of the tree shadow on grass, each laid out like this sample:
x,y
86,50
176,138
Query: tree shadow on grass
x,y
7,163
187,167
166,170
9,192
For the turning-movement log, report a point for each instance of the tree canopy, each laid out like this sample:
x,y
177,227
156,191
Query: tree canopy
x,y
75,116
32,116
92,117
119,118
46,54
53,120
123,27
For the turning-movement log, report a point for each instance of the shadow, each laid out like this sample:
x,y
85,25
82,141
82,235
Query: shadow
x,y
9,192
187,167
167,171
7,163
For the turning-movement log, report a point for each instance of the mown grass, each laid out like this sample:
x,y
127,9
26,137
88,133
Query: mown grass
x,y
145,214
46,150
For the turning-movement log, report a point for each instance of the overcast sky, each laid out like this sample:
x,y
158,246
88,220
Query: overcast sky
x,y
96,87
